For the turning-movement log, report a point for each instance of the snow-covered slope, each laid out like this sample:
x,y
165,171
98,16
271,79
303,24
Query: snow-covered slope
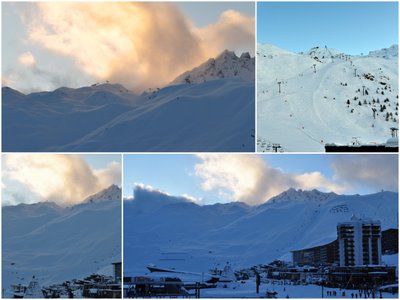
x,y
226,65
56,244
324,96
111,193
386,52
216,115
184,235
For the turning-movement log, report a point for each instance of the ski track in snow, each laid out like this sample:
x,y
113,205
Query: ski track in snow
x,y
208,236
55,244
215,112
312,117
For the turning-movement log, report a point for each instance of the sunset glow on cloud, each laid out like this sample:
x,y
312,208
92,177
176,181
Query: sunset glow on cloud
x,y
27,59
139,45
249,179
64,179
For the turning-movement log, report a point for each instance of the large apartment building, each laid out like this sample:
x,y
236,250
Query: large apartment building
x,y
359,242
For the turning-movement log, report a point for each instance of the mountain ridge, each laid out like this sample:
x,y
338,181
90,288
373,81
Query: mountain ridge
x,y
245,236
322,99
75,241
216,115
225,65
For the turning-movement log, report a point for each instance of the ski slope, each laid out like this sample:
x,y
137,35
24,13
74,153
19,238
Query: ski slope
x,y
55,244
324,96
214,114
172,232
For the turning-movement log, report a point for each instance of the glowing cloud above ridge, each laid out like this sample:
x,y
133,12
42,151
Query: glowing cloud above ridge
x,y
137,44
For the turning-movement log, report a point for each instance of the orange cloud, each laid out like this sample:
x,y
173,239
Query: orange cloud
x,y
137,44
27,59
232,31
61,178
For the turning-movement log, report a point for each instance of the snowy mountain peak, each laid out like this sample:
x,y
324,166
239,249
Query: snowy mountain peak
x,y
226,54
385,52
112,87
113,192
293,195
317,100
269,51
225,65
319,53
222,232
63,243
10,93
245,55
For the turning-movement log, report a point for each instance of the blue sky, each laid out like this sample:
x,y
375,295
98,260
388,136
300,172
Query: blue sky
x,y
271,174
351,27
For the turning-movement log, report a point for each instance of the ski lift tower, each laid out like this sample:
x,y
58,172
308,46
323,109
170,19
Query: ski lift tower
x,y
355,141
374,113
394,131
279,84
275,147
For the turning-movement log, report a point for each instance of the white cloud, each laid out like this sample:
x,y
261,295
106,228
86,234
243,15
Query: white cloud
x,y
315,180
137,44
27,59
192,199
376,171
64,179
249,179
9,79
110,174
232,31
140,187
148,187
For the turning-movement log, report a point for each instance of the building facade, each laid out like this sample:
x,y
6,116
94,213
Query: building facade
x,y
359,242
320,255
390,241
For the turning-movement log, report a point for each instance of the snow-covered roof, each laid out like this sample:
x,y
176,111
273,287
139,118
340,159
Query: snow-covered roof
x,y
392,142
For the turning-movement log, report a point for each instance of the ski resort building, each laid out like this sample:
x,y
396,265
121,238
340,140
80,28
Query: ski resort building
x,y
359,242
390,241
356,277
329,254
321,255
117,271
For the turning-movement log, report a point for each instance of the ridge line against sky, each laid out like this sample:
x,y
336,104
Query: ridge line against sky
x,y
76,44
253,179
66,179
350,27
